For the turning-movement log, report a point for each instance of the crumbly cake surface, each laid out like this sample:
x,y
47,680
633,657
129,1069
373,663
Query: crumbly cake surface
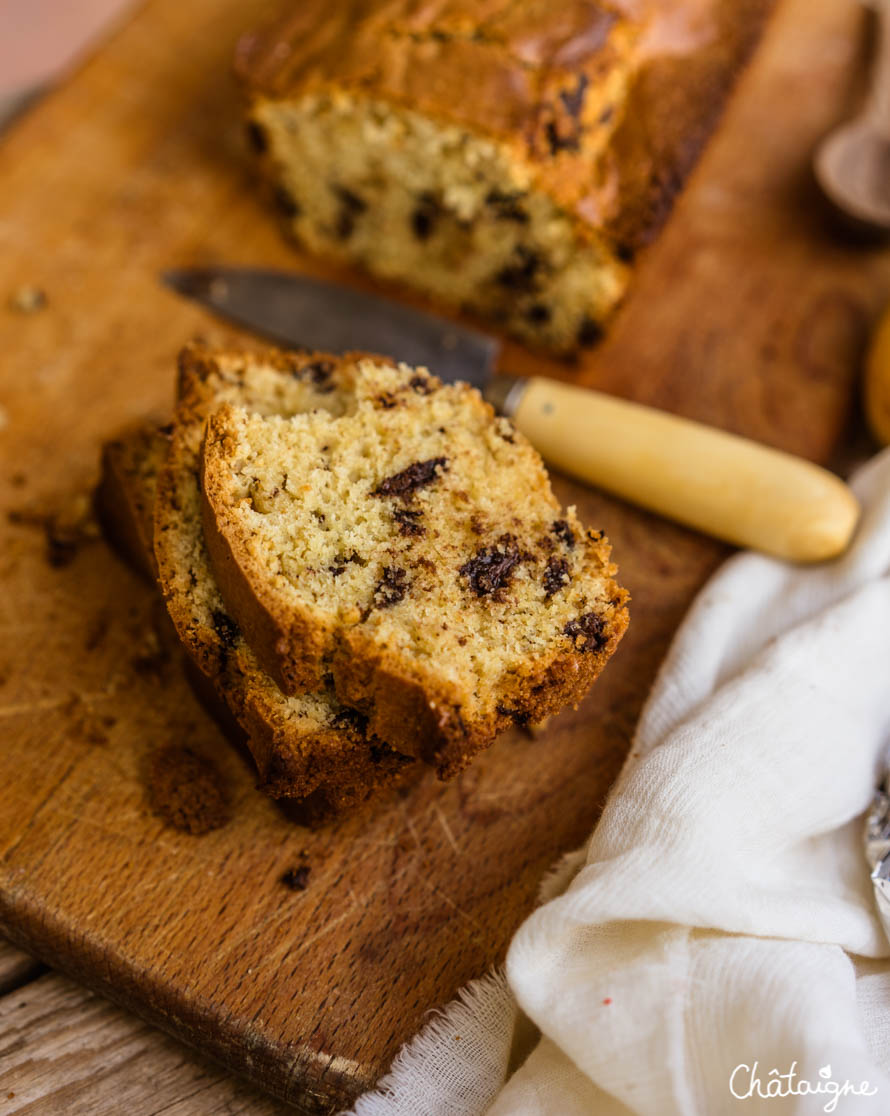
x,y
303,742
506,156
409,544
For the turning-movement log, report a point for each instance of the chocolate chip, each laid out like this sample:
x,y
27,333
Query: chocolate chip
x,y
345,226
574,99
625,252
418,475
341,562
516,715
586,633
296,878
425,216
555,576
589,332
225,627
391,588
349,720
285,202
520,276
491,569
317,372
408,522
506,205
595,536
564,532
386,400
351,201
423,385
538,313
256,137
557,142
564,133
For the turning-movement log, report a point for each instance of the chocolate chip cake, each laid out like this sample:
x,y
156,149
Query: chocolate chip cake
x,y
507,156
131,464
401,540
300,743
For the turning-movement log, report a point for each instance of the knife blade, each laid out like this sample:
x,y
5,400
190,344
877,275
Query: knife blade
x,y
296,310
730,487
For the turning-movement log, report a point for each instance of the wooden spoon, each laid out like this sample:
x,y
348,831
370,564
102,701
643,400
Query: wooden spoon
x,y
852,163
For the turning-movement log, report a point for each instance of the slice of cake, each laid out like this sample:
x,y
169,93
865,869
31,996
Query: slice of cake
x,y
300,743
404,541
125,496
507,157
131,464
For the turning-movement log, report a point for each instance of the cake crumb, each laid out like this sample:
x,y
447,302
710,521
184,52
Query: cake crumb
x,y
297,879
27,299
66,530
186,790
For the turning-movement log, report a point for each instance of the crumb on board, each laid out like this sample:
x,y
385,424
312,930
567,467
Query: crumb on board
x,y
297,879
66,529
27,299
186,791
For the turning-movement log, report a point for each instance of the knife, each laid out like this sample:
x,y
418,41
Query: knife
x,y
718,483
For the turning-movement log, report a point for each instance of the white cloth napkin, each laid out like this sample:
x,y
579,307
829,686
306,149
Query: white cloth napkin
x,y
721,929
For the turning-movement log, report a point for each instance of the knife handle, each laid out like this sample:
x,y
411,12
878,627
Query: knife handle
x,y
738,490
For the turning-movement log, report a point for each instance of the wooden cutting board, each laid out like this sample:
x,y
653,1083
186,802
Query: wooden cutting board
x,y
748,313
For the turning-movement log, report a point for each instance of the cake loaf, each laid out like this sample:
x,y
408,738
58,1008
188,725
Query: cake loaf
x,y
405,542
505,156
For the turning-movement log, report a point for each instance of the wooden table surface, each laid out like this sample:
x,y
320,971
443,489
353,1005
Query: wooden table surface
x,y
774,356
66,1052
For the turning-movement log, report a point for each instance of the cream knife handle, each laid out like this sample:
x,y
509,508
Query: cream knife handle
x,y
721,484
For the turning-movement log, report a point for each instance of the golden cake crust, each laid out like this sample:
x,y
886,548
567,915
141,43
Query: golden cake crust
x,y
546,79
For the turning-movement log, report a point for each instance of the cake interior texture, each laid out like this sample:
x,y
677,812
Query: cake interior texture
x,y
427,203
409,545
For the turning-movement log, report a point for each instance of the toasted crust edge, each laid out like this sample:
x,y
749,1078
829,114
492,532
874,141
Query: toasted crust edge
x,y
292,649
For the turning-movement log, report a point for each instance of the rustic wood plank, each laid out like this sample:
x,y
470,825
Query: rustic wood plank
x,y
747,313
16,968
66,1052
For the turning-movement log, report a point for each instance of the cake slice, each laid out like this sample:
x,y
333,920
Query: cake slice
x,y
300,743
125,496
131,464
406,543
